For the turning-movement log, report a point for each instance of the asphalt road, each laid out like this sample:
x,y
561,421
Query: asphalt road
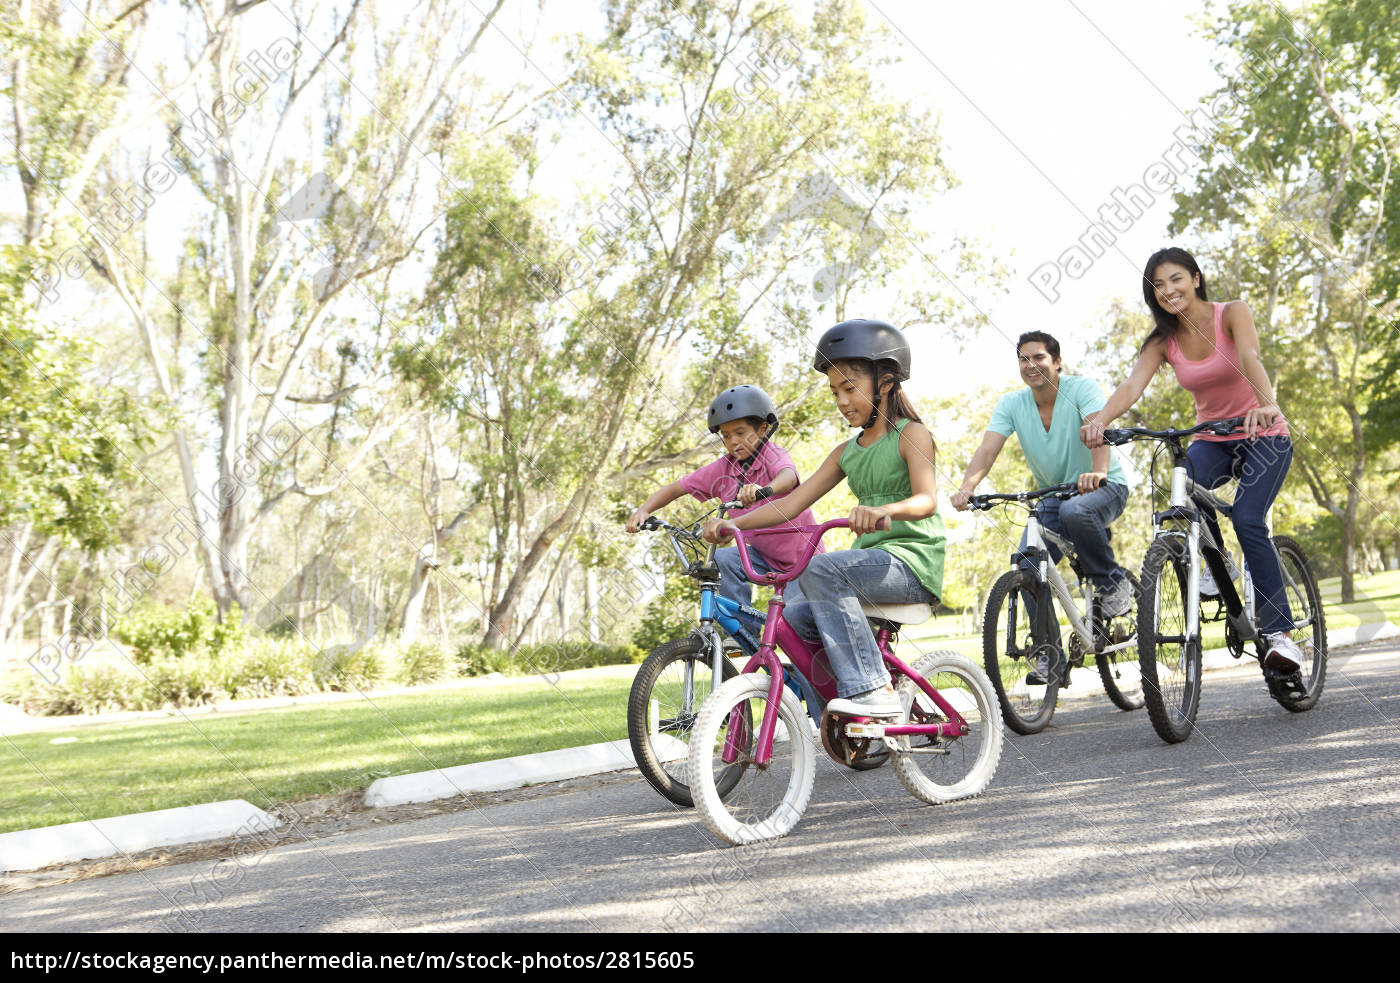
x,y
1262,821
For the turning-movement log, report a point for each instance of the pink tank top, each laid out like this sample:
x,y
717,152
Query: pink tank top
x,y
1218,383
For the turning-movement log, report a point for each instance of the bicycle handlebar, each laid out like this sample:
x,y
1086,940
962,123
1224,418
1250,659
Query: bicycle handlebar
x,y
814,536
1221,428
984,502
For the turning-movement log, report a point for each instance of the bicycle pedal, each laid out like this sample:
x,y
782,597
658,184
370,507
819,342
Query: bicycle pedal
x,y
865,730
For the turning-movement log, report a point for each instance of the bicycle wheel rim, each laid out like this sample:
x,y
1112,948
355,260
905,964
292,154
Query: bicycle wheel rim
x,y
1310,629
661,717
940,769
1010,648
765,801
1170,662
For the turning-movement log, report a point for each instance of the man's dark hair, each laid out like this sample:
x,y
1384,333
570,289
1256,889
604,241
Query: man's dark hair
x,y
1051,345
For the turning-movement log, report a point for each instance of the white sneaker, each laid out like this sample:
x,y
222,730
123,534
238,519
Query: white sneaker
x,y
1284,656
1208,587
874,703
1118,600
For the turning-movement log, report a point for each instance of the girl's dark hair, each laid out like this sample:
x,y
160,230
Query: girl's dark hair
x,y
1166,324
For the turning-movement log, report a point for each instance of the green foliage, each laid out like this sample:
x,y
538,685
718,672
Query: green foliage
x,y
422,662
64,445
270,667
346,670
151,631
476,659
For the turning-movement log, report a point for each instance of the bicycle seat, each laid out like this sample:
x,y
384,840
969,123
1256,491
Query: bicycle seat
x,y
900,614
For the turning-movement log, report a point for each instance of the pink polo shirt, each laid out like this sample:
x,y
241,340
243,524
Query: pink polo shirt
x,y
721,479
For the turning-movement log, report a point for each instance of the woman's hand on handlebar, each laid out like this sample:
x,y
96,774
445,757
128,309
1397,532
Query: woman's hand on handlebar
x,y
718,531
1092,432
635,520
1260,418
865,519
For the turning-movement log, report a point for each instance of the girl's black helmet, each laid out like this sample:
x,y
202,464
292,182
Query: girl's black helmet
x,y
873,341
740,403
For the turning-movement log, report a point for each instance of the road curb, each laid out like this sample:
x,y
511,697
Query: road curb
x,y
31,849
505,773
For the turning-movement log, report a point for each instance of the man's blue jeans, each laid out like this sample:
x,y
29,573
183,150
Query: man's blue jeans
x,y
1084,521
834,585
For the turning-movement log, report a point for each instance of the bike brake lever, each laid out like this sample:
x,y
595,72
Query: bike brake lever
x,y
649,523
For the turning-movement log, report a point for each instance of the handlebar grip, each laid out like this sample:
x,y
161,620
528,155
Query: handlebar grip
x,y
765,492
649,523
1115,436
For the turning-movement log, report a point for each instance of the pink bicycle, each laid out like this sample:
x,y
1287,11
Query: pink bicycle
x,y
946,745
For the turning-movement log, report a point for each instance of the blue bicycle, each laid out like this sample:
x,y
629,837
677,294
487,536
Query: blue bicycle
x,y
673,681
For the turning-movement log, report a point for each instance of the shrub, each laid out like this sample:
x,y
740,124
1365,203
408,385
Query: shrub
x,y
423,662
101,688
475,659
176,681
270,667
155,631
342,670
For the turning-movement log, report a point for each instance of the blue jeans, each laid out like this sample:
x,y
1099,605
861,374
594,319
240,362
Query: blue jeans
x,y
736,586
834,585
1084,521
1261,465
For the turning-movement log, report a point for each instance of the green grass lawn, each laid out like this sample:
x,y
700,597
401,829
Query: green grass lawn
x,y
285,754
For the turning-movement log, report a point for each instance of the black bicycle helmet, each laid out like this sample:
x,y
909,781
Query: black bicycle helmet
x,y
740,403
872,341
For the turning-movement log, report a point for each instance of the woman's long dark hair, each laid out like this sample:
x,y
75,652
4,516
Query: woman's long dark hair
x,y
1166,324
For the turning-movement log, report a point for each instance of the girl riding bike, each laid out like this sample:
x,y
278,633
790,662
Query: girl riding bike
x,y
1214,350
899,551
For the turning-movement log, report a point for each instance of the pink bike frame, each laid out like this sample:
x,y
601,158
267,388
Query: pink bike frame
x,y
804,654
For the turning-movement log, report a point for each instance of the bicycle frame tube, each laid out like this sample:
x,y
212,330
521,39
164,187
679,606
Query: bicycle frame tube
x,y
777,633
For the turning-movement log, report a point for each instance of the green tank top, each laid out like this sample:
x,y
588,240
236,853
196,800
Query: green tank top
x,y
878,476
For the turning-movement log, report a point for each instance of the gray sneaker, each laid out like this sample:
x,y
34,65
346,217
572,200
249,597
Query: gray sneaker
x,y
1118,600
1041,672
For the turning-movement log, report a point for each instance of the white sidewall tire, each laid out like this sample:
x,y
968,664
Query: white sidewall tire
x,y
700,763
980,775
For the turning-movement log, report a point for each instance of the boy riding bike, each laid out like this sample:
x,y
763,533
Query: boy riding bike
x,y
745,418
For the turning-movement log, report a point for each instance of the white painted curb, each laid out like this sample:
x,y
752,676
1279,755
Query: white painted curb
x,y
31,849
495,776
1336,638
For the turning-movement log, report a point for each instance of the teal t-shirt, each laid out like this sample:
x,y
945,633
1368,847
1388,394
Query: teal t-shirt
x,y
1056,455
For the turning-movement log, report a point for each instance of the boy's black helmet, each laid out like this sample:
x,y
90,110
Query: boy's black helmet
x,y
740,403
870,340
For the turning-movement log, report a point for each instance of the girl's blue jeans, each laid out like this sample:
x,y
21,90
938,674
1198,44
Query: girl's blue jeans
x,y
1261,465
834,584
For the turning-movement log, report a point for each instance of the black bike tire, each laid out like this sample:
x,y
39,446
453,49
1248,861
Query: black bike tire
x,y
1319,675
1105,665
638,707
1013,580
1172,724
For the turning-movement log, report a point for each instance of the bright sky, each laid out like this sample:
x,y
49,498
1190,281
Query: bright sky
x,y
1048,109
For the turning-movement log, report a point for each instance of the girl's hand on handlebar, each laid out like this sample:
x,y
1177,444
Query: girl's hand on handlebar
x,y
1260,418
635,520
1091,433
960,499
1090,480
718,531
865,519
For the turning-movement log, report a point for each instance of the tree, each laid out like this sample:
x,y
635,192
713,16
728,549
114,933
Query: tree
x,y
1295,188
65,446
581,349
